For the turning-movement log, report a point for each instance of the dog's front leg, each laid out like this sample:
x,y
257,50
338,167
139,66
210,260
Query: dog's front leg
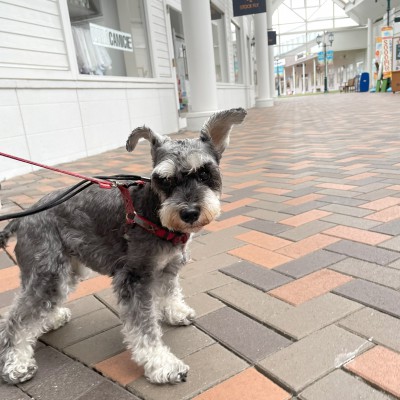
x,y
141,329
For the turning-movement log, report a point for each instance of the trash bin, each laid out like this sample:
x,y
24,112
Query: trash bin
x,y
364,82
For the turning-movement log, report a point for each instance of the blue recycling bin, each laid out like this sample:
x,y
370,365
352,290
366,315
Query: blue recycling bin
x,y
364,82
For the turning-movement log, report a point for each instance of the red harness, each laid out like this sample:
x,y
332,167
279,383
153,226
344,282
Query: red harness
x,y
133,219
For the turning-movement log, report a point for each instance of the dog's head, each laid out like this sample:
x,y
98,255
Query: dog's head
x,y
186,174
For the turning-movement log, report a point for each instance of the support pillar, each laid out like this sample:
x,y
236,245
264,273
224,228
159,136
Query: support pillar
x,y
303,69
369,51
294,79
203,100
315,75
271,58
263,71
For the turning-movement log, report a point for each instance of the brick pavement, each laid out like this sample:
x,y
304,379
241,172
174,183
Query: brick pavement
x,y
296,286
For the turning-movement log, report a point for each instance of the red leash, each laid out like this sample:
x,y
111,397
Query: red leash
x,y
130,214
103,184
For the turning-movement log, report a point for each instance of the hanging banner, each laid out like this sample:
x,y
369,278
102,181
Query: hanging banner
x,y
246,7
387,47
329,57
321,58
106,37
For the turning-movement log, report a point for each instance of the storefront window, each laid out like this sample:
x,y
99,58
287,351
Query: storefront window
x,y
235,34
110,37
219,42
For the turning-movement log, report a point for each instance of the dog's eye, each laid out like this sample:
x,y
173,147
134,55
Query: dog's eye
x,y
203,176
166,183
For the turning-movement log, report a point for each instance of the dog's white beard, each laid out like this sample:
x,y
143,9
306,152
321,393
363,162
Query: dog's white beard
x,y
210,209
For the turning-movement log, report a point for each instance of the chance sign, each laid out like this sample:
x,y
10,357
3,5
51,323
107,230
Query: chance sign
x,y
106,37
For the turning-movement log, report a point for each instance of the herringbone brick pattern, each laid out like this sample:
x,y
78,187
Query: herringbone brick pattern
x,y
296,286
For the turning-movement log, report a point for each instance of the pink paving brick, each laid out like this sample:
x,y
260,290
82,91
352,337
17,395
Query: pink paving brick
x,y
307,245
381,367
260,256
313,285
358,235
386,215
90,286
248,385
381,204
303,199
227,223
273,190
264,240
236,204
304,218
9,278
335,186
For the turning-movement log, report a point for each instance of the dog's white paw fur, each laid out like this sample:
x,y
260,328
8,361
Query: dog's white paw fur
x,y
166,368
59,318
18,369
178,313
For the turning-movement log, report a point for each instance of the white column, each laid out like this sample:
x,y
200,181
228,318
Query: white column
x,y
303,69
294,79
203,99
271,52
315,75
263,72
284,91
369,51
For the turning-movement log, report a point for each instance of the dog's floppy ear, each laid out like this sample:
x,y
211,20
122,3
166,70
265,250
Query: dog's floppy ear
x,y
218,127
143,132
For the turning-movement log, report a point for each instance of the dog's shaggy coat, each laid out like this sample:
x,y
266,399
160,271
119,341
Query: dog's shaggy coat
x,y
90,230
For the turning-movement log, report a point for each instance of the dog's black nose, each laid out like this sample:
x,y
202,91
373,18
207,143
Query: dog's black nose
x,y
190,214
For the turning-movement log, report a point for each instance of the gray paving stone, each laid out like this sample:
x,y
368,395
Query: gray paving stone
x,y
342,200
272,228
313,357
346,210
5,260
370,294
108,297
389,228
229,327
377,194
354,222
185,340
259,277
97,348
364,252
84,305
268,205
392,244
81,328
302,208
49,361
338,193
250,301
313,315
267,215
369,271
10,392
310,263
108,391
207,265
7,297
203,304
340,385
66,383
305,230
208,367
372,324
203,283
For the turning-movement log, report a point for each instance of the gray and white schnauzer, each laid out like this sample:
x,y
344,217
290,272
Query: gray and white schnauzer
x,y
90,230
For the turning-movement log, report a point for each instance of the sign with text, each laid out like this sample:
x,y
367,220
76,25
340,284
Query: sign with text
x,y
387,48
271,38
106,37
246,7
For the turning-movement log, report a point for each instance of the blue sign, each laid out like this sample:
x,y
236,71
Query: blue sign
x,y
279,69
246,7
329,55
321,56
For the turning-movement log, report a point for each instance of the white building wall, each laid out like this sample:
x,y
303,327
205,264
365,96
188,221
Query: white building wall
x,y
51,114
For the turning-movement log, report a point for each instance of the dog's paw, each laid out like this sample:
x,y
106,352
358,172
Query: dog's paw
x,y
59,318
171,371
19,372
179,314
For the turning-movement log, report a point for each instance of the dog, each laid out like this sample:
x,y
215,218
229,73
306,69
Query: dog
x,y
143,257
